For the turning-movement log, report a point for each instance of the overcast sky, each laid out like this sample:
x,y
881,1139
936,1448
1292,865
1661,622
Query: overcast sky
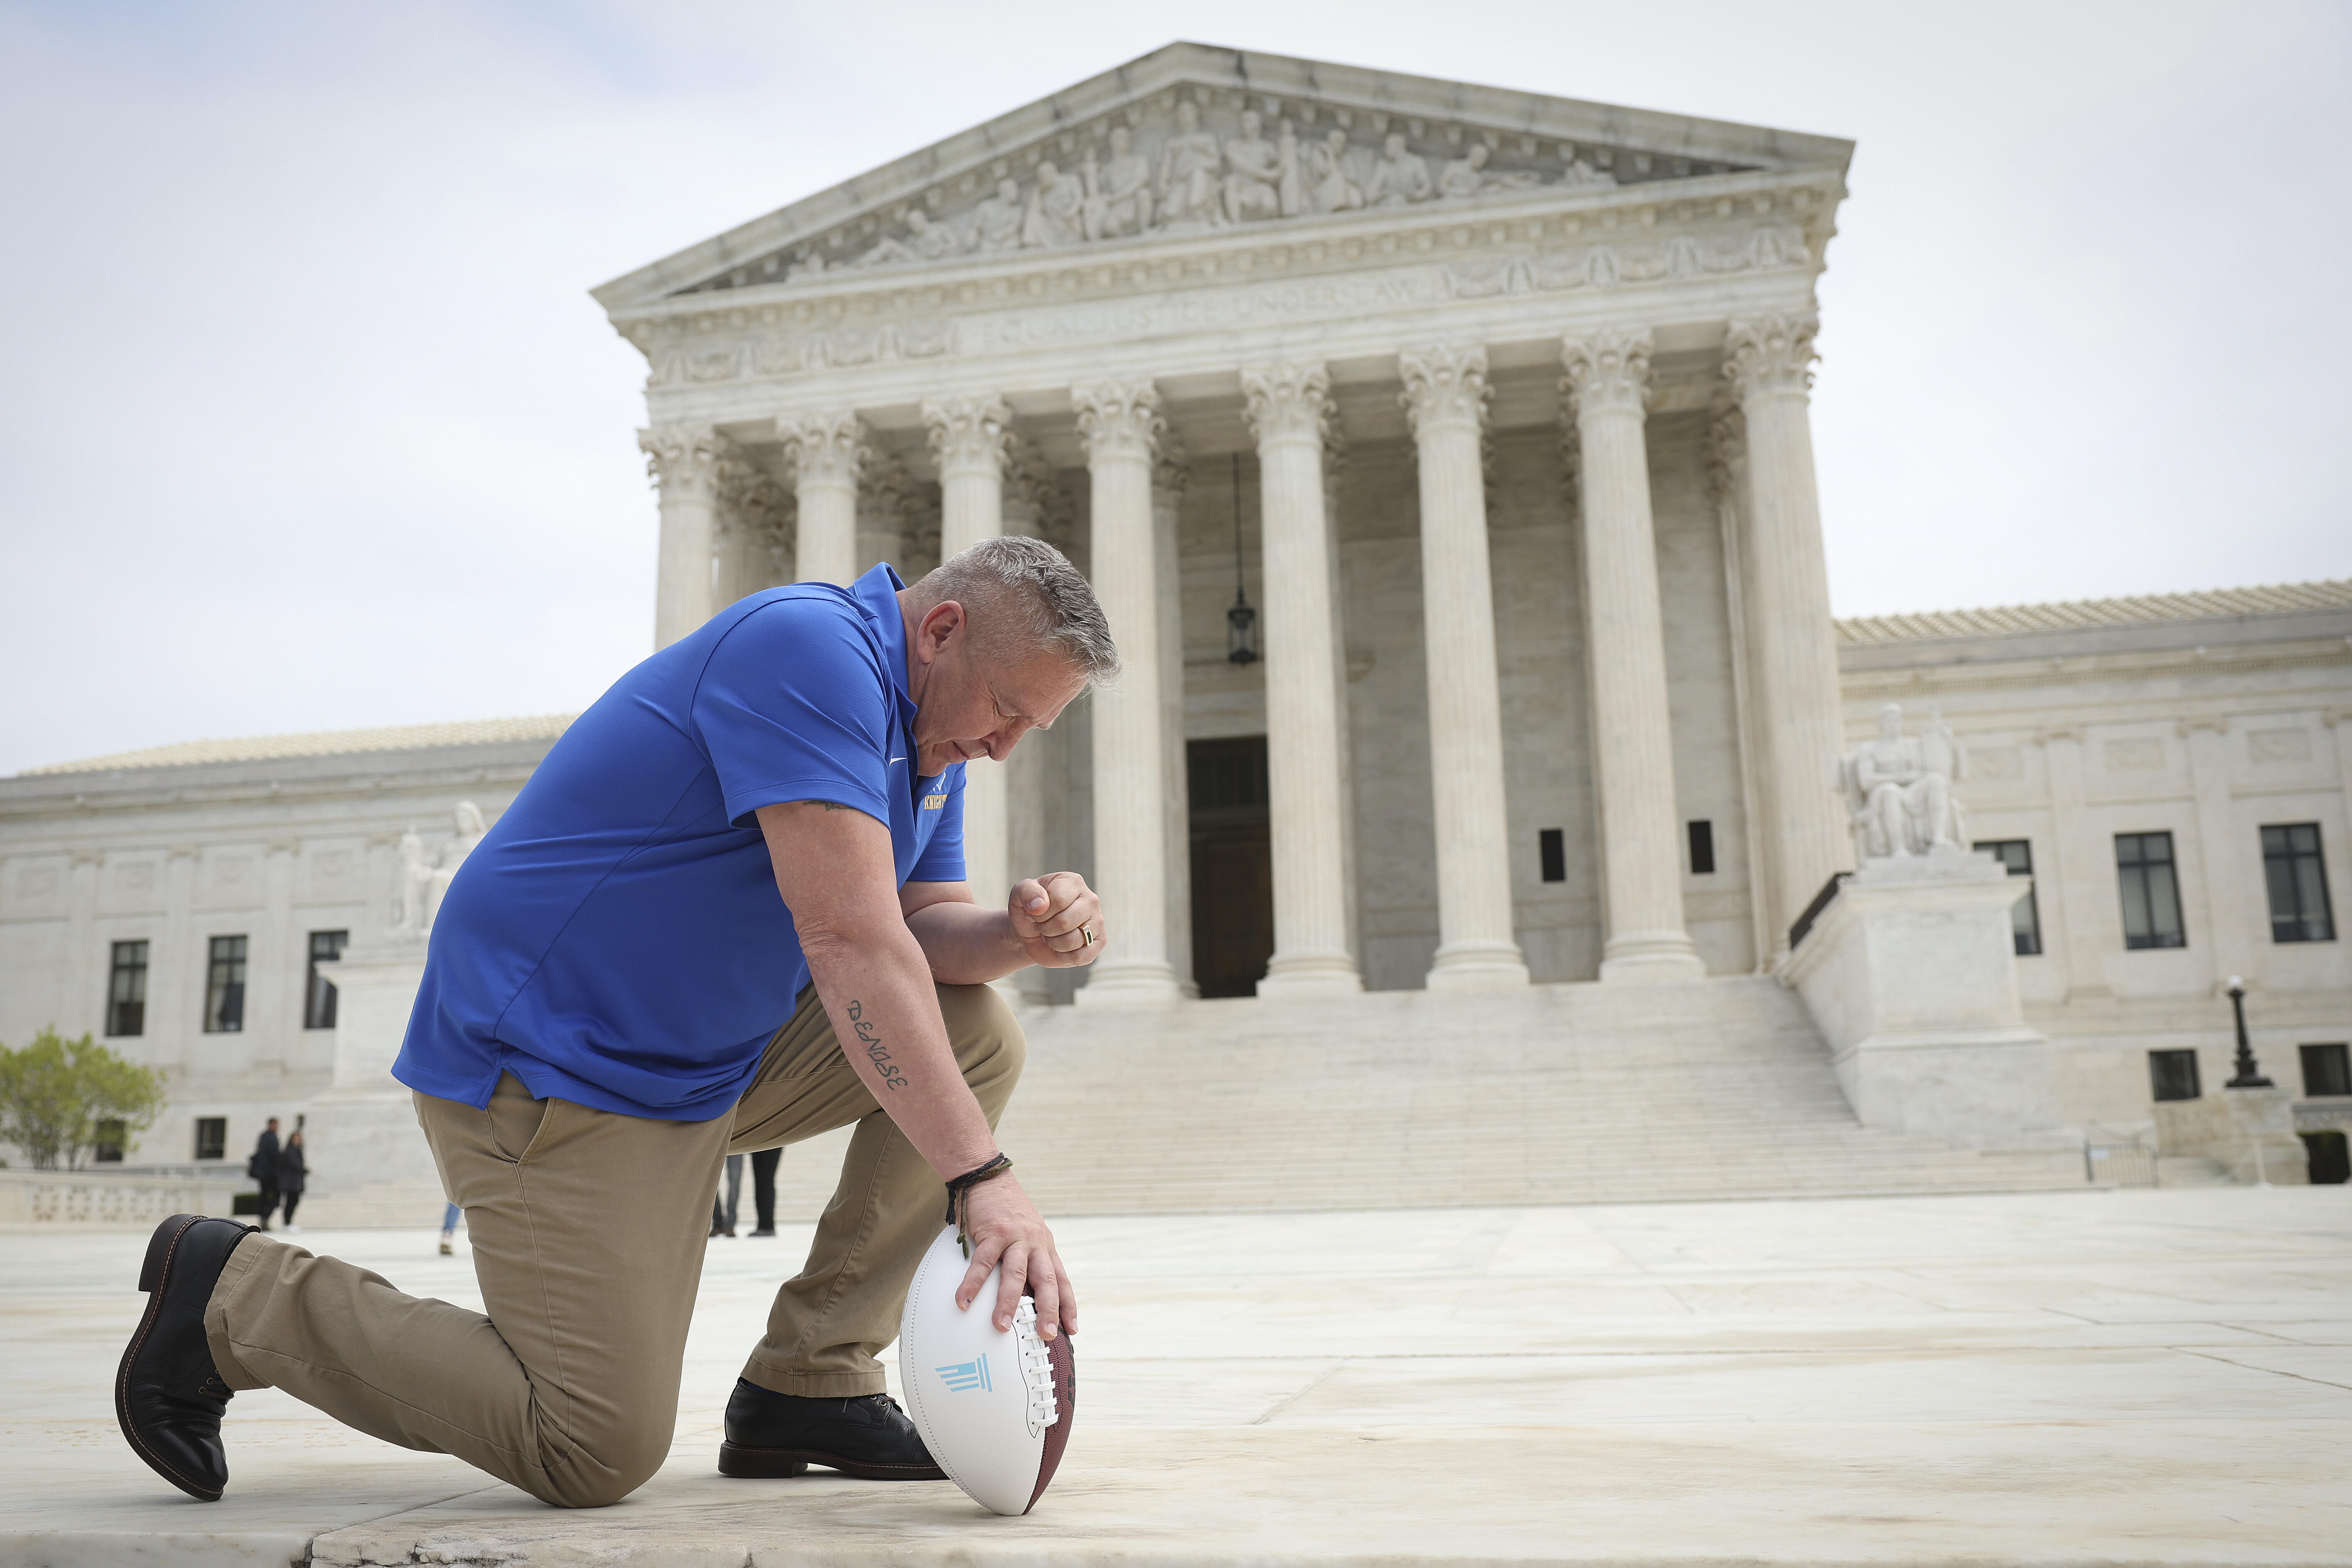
x,y
308,421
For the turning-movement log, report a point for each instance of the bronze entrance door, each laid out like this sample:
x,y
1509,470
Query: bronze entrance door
x,y
1232,865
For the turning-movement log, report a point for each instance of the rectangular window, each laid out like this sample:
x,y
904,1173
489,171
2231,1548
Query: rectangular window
x,y
1702,849
1552,846
126,989
2151,890
225,987
212,1136
2173,1075
2025,915
2326,1069
319,1000
2298,883
106,1140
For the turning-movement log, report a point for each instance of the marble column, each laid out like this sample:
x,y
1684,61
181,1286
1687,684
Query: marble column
x,y
1727,482
1289,412
1794,672
1037,776
968,436
885,505
684,462
828,453
2089,923
176,967
1167,477
2236,907
1335,463
1120,424
1445,401
1632,747
89,974
2339,723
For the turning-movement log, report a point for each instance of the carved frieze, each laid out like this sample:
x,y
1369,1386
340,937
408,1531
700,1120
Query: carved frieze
x,y
774,343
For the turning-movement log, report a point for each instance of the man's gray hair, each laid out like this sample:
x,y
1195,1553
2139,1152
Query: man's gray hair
x,y
1034,587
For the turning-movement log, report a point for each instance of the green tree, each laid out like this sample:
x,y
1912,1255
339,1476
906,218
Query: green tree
x,y
56,1091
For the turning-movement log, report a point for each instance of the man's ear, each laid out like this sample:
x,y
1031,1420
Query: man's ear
x,y
941,622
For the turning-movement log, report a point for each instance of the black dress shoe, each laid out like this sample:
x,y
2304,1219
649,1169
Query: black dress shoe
x,y
784,1434
168,1395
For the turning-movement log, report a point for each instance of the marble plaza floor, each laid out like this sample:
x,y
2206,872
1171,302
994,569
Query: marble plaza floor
x,y
2133,1377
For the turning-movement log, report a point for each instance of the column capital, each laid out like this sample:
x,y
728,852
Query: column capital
x,y
825,447
1288,403
1608,371
968,435
1772,353
683,459
1170,468
1443,386
1727,449
1118,418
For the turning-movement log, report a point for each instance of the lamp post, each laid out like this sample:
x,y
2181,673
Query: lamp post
x,y
2249,1076
1240,621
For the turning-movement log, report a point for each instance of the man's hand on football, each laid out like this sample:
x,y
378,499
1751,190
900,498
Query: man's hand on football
x,y
1006,1226
1058,919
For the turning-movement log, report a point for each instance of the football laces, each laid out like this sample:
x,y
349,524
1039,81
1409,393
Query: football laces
x,y
1036,1368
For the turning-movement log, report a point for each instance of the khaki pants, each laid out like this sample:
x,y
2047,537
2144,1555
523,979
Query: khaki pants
x,y
588,1235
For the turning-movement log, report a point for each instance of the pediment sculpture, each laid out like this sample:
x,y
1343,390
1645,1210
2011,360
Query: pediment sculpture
x,y
1899,789
1171,172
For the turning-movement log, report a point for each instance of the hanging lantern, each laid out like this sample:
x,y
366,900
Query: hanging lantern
x,y
1240,621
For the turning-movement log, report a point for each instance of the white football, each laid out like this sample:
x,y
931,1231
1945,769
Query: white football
x,y
992,1407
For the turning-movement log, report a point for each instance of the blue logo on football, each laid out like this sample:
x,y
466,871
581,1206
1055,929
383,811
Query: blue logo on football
x,y
963,1376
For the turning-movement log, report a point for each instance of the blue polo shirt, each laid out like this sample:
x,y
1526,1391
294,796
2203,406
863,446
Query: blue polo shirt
x,y
617,938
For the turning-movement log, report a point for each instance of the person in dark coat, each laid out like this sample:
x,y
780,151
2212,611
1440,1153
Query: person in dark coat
x,y
293,1169
263,1168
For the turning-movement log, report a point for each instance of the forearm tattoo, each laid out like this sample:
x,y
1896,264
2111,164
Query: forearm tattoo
x,y
872,1044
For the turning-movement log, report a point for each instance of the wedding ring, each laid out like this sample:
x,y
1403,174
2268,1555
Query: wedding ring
x,y
1087,935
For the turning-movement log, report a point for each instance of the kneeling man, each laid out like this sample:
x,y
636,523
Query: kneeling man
x,y
597,1030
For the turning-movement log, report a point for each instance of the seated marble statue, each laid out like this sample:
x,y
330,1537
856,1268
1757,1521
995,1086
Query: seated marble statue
x,y
1329,189
1118,190
1056,214
997,220
1189,192
1899,789
1252,189
1398,177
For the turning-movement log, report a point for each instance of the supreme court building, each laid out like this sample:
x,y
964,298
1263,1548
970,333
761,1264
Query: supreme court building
x,y
1440,456
1492,406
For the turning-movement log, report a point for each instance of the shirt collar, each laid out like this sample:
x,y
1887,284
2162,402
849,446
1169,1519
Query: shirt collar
x,y
877,597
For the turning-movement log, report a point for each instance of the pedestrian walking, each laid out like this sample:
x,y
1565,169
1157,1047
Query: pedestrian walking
x,y
449,1229
263,1168
723,1208
764,1188
293,1169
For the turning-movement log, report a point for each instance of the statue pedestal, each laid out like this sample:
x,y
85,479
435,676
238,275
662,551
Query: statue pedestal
x,y
2248,1132
369,1162
1911,975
